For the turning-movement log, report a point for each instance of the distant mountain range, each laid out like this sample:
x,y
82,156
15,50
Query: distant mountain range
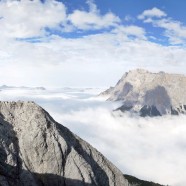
x,y
37,151
4,87
150,94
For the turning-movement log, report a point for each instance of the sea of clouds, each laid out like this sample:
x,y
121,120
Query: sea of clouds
x,y
149,148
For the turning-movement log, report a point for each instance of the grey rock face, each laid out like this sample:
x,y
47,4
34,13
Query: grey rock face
x,y
150,94
35,151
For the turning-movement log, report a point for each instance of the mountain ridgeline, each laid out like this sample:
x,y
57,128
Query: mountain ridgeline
x,y
150,94
37,151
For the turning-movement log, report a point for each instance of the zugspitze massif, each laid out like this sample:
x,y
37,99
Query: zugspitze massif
x,y
150,94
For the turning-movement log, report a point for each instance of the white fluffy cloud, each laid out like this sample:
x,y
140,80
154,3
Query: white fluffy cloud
x,y
21,19
61,62
154,12
131,30
92,19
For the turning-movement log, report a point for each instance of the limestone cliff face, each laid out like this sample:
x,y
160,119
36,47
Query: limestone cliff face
x,y
37,151
150,94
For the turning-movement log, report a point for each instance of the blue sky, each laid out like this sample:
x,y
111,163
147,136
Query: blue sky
x,y
89,42
128,11
175,9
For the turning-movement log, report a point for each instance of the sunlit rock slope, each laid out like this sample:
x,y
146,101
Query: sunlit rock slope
x,y
37,151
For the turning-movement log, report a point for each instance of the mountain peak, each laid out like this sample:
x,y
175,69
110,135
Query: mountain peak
x,y
150,93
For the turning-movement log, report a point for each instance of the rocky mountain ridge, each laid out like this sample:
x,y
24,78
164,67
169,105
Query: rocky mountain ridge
x,y
150,94
35,151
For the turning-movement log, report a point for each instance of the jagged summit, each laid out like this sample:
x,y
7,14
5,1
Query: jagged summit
x,y
150,94
37,151
138,70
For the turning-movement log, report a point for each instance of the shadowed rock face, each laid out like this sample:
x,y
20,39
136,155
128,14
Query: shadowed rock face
x,y
150,94
126,89
149,111
156,102
35,151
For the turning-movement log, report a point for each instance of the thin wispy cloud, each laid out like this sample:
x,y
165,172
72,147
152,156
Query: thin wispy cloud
x,y
174,30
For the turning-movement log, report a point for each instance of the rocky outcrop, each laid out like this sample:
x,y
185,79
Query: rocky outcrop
x,y
37,151
150,94
138,182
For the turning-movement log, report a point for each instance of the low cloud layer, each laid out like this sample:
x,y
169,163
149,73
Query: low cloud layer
x,y
151,149
148,148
